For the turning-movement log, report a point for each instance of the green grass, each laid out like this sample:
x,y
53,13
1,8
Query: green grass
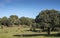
x,y
8,32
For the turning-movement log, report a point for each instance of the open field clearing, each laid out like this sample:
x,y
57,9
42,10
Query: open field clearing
x,y
16,32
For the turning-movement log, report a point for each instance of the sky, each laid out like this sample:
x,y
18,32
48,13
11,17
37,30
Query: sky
x,y
27,8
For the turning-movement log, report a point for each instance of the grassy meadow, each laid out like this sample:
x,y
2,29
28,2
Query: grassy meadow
x,y
9,32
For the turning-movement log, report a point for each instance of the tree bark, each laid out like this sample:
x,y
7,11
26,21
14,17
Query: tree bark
x,y
48,30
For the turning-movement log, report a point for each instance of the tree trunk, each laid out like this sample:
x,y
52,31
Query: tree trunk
x,y
30,29
48,30
33,29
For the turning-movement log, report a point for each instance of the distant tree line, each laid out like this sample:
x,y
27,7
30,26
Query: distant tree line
x,y
14,20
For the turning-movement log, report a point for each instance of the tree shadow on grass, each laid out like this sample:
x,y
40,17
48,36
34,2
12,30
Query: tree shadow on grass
x,y
29,35
33,30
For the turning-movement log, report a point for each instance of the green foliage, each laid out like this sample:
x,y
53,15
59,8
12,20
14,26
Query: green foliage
x,y
26,21
48,18
0,21
4,20
14,20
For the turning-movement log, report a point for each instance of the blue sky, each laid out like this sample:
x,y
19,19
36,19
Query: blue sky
x,y
27,8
